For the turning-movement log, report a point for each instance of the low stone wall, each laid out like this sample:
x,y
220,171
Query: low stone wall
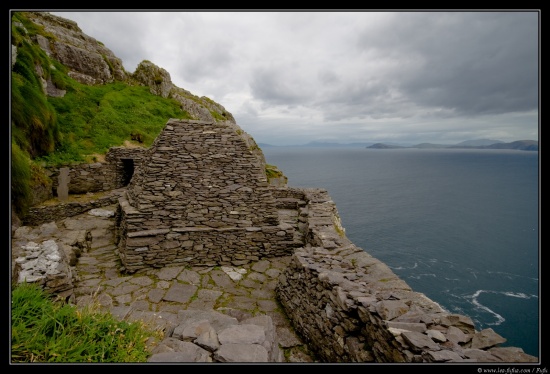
x,y
51,213
350,307
85,178
99,176
202,246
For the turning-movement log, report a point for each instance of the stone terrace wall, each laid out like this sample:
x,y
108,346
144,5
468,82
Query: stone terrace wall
x,y
109,177
200,197
100,176
350,307
41,214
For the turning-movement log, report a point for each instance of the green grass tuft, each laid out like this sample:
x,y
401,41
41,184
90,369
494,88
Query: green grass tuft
x,y
48,330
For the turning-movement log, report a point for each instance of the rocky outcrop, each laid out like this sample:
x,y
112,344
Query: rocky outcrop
x,y
89,61
202,336
160,83
157,79
45,255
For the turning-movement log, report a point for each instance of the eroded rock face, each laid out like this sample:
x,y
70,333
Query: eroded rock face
x,y
158,79
89,60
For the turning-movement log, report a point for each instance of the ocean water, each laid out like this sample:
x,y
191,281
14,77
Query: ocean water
x,y
460,226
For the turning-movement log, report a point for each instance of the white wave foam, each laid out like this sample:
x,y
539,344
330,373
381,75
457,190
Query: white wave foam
x,y
519,295
499,319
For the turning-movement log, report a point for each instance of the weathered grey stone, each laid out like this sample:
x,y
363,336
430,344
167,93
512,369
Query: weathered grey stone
x,y
480,355
407,326
464,323
238,352
216,319
512,354
419,342
102,213
442,356
208,340
170,272
390,309
190,330
243,334
436,336
187,352
456,335
486,338
180,293
63,184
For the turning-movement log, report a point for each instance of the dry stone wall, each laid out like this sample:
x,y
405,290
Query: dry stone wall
x,y
101,177
200,197
350,307
42,214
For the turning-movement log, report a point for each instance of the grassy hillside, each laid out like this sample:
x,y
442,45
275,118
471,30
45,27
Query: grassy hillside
x,y
78,127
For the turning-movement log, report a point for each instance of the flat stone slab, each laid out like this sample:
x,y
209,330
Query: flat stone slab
x,y
180,293
101,213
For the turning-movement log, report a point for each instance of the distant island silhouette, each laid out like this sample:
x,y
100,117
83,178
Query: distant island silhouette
x,y
523,145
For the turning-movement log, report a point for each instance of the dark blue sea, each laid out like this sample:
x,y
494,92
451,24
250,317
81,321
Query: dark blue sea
x,y
460,226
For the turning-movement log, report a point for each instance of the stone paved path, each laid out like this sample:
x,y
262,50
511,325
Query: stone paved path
x,y
156,295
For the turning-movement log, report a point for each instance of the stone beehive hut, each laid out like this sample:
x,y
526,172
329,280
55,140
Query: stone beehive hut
x,y
199,197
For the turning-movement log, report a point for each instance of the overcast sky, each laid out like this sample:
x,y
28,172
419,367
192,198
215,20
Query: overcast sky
x,y
363,76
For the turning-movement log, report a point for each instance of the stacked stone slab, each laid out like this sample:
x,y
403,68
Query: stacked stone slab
x,y
350,307
199,197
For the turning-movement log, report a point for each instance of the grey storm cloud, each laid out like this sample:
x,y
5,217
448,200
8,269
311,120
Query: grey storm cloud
x,y
279,86
471,63
349,75
210,64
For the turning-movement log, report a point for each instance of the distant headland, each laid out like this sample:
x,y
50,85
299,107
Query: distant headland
x,y
523,145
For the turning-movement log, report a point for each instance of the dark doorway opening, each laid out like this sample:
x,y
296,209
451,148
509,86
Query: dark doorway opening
x,y
127,171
